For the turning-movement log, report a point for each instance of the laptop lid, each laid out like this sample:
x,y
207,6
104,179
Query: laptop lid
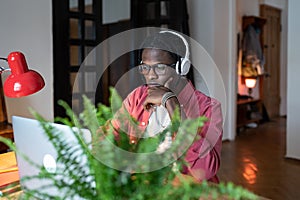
x,y
31,140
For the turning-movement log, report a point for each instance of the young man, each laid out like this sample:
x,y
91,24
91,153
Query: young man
x,y
164,64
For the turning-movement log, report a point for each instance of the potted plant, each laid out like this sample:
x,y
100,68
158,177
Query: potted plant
x,y
109,175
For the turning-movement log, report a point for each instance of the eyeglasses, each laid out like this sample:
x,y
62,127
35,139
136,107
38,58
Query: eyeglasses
x,y
160,69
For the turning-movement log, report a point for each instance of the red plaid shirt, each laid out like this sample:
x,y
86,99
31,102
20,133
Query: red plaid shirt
x,y
203,156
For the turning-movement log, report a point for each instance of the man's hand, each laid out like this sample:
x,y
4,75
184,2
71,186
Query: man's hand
x,y
154,97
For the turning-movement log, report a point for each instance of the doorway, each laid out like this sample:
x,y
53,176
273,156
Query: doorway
x,y
271,51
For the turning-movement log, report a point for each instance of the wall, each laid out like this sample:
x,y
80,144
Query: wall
x,y
249,7
293,108
212,24
225,58
115,10
27,26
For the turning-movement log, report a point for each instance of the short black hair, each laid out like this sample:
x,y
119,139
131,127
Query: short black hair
x,y
167,42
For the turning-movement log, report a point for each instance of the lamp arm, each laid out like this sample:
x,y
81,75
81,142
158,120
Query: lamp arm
x,y
2,69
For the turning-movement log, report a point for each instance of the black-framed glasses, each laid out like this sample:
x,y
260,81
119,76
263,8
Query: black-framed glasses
x,y
160,69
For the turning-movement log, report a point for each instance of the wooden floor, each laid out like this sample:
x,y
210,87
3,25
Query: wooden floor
x,y
256,160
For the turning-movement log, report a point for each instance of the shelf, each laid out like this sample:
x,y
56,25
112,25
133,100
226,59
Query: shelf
x,y
247,101
248,111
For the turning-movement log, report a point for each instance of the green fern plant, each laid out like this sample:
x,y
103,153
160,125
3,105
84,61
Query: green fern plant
x,y
103,180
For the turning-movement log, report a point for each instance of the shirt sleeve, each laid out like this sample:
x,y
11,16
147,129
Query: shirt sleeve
x,y
130,117
203,156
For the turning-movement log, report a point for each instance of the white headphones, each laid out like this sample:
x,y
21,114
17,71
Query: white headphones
x,y
185,62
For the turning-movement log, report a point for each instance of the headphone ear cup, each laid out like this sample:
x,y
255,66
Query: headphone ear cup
x,y
185,66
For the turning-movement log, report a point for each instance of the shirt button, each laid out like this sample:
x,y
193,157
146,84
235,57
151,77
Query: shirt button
x,y
143,123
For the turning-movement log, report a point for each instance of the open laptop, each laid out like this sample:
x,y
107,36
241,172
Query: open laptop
x,y
31,140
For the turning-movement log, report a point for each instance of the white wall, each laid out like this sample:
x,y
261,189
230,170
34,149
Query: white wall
x,y
293,108
212,24
26,26
226,57
249,7
115,10
281,4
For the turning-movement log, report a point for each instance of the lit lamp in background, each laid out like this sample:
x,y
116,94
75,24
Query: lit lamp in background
x,y
250,83
21,82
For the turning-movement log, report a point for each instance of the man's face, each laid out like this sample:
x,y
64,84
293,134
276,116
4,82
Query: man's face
x,y
155,56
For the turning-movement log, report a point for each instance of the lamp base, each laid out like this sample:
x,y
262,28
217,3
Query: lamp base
x,y
250,92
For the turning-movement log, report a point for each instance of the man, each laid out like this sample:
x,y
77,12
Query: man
x,y
164,64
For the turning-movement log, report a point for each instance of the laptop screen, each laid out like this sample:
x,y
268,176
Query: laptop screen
x,y
32,141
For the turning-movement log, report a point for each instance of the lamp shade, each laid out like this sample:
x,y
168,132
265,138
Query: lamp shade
x,y
22,81
250,82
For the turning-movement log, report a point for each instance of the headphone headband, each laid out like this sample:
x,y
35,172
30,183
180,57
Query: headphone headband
x,y
185,62
187,52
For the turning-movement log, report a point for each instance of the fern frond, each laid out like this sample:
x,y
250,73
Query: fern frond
x,y
96,175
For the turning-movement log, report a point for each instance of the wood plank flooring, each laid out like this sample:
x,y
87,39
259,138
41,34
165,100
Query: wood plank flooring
x,y
256,160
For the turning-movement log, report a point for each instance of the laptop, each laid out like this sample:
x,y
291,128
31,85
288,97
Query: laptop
x,y
31,140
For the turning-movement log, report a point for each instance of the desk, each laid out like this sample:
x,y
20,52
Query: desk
x,y
9,173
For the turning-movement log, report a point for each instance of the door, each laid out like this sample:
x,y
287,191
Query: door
x,y
271,50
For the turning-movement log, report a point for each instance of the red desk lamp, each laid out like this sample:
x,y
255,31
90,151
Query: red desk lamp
x,y
22,81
